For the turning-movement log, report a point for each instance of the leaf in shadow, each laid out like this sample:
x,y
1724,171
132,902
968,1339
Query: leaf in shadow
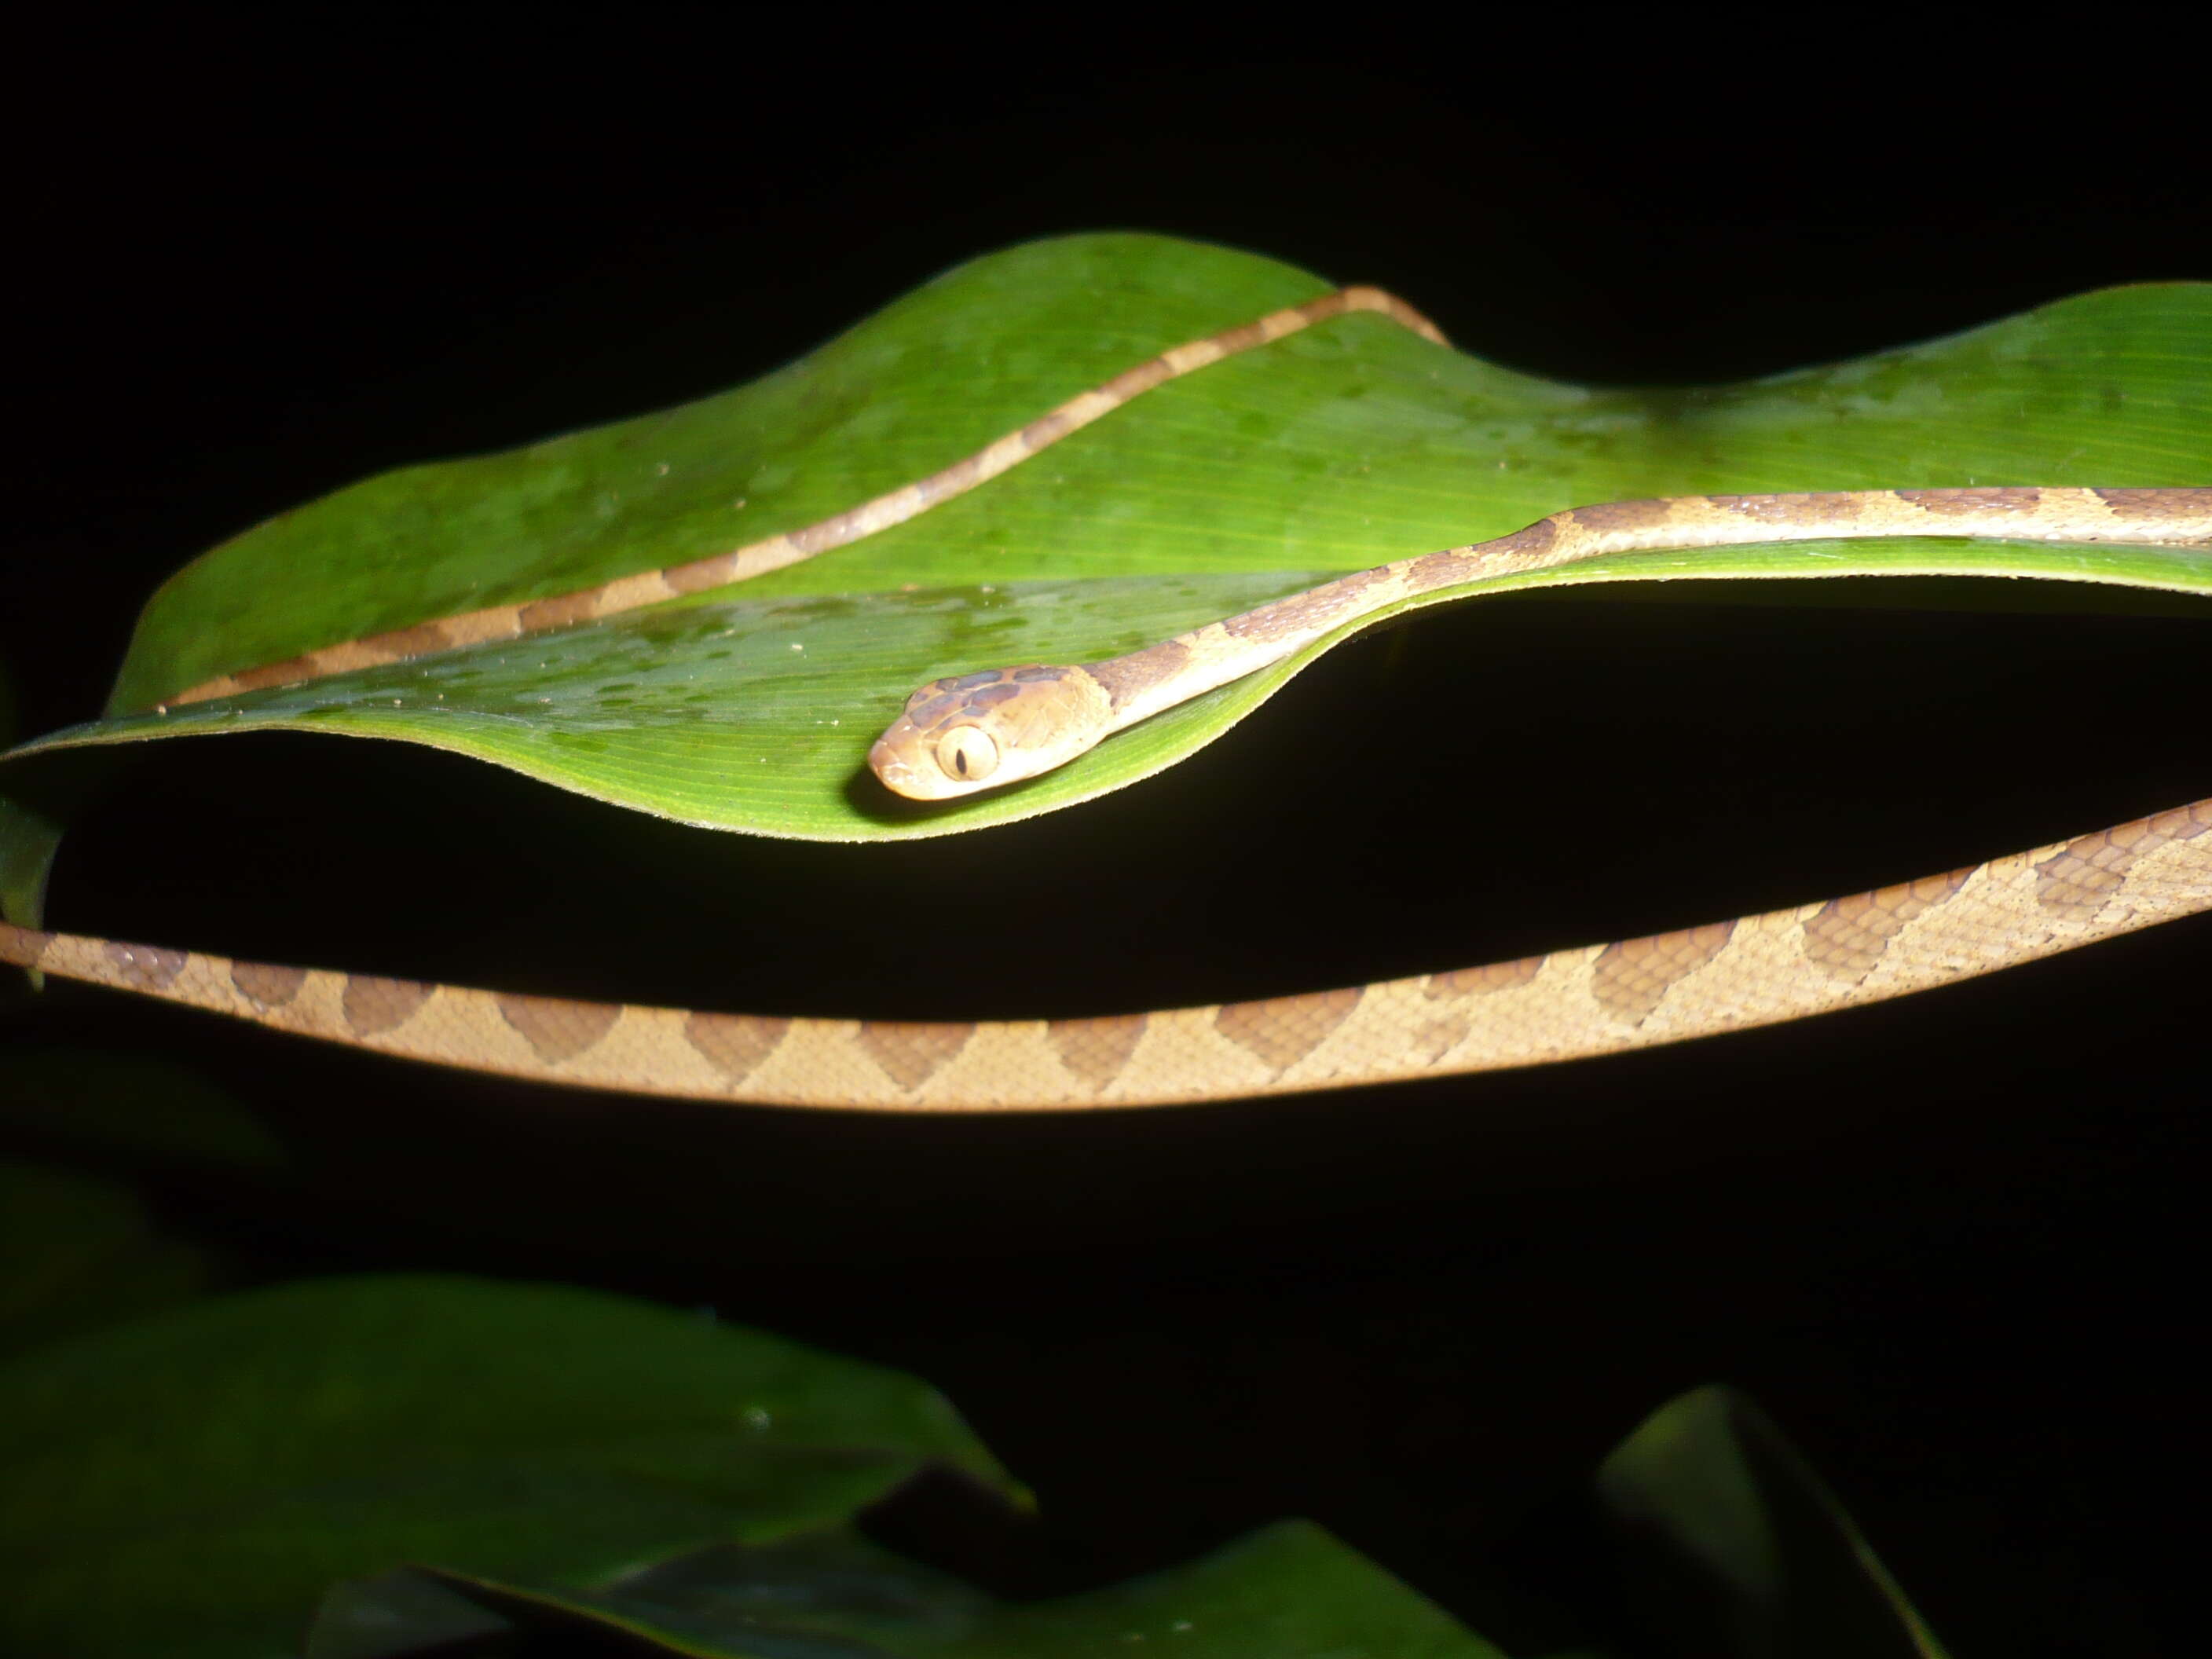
x,y
190,1484
1290,1591
1738,1549
77,1252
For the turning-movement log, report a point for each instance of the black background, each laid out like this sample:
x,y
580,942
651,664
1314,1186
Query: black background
x,y
1948,1242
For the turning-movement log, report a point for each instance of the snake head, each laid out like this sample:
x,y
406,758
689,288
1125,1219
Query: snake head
x,y
985,730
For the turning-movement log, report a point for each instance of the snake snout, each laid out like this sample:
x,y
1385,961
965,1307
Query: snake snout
x,y
883,761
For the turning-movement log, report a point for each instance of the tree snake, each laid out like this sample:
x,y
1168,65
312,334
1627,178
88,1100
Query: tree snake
x,y
992,727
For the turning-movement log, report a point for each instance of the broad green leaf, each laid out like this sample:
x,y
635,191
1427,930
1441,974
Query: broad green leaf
x,y
1746,1551
190,1484
1349,444
932,378
76,1253
1289,1592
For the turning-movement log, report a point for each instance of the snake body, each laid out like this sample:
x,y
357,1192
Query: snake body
x,y
987,729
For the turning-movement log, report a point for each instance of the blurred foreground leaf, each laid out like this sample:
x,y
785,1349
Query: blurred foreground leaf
x,y
1289,1592
191,1483
76,1253
1741,1550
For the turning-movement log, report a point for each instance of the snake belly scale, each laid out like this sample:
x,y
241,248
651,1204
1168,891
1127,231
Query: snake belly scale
x,y
991,727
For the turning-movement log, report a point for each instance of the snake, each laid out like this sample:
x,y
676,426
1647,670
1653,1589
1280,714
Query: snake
x,y
988,728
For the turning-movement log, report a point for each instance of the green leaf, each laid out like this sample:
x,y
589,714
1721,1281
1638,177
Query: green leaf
x,y
76,1253
1290,1592
190,1483
1744,1549
929,380
1339,447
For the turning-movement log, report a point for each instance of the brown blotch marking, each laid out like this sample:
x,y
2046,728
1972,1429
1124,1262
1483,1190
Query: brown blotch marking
x,y
1958,503
1480,981
1143,378
561,610
1283,1030
701,573
1452,1020
2154,503
1466,564
1832,506
288,671
1534,539
1848,936
23,946
1045,429
1437,1034
1300,610
556,1027
734,1044
1124,677
912,1054
990,696
1096,1050
2081,878
926,713
1631,977
1442,569
144,967
270,986
1623,516
373,1005
1244,337
424,640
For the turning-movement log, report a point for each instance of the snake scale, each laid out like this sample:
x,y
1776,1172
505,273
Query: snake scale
x,y
987,729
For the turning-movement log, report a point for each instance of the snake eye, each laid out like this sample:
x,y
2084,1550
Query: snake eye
x,y
968,753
